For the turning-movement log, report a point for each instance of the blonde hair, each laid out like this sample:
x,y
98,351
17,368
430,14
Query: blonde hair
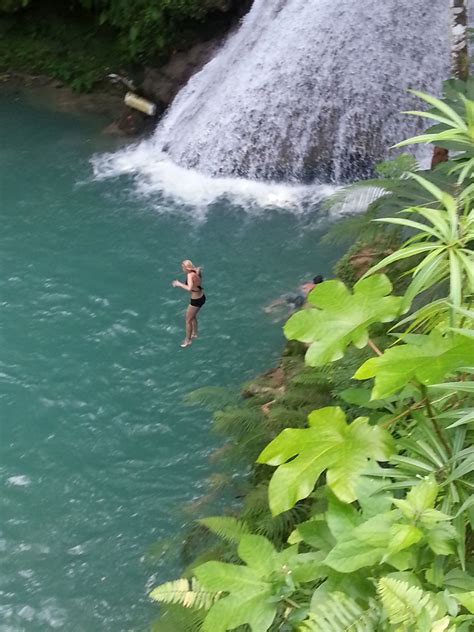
x,y
189,266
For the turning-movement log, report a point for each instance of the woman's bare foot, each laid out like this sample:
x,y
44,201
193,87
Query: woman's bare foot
x,y
185,343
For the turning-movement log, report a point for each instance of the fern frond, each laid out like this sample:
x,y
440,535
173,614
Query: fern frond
x,y
212,397
238,422
226,527
256,513
340,613
185,592
403,602
281,417
175,617
307,397
278,528
311,377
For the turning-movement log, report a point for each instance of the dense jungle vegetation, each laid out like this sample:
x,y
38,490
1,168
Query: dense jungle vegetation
x,y
80,41
359,510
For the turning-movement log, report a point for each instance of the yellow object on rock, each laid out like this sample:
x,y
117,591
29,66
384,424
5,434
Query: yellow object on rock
x,y
140,104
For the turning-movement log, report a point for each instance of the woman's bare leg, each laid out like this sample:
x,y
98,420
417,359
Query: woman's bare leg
x,y
194,325
190,316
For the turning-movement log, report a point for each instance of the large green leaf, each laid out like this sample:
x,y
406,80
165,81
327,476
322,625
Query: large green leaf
x,y
215,576
249,587
420,499
255,589
365,545
341,517
258,553
432,358
402,536
256,609
331,444
467,600
342,318
314,532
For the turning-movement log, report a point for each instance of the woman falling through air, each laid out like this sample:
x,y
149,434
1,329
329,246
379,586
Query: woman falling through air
x,y
198,298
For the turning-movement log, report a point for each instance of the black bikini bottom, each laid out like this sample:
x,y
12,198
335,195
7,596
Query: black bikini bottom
x,y
198,302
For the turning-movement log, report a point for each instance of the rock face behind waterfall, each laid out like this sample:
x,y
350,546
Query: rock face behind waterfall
x,y
309,90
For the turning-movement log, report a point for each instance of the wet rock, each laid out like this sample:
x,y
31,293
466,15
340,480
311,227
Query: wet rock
x,y
367,256
129,123
161,85
223,5
271,383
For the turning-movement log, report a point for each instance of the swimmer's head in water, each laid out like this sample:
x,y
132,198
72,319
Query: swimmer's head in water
x,y
318,279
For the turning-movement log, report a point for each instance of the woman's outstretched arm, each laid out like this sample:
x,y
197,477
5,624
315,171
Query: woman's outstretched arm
x,y
188,286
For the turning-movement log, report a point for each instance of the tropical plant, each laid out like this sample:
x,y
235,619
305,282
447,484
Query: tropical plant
x,y
379,488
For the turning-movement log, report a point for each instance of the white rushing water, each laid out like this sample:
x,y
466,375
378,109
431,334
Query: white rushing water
x,y
305,91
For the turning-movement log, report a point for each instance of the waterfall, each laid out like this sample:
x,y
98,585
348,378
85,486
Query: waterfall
x,y
305,91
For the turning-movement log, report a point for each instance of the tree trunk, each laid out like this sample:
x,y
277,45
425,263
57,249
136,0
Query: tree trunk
x,y
459,59
459,38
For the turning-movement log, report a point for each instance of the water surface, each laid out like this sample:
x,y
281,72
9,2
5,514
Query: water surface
x,y
98,451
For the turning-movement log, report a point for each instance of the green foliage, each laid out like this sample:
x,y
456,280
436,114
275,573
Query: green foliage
x,y
398,167
81,41
256,512
212,397
372,505
340,613
455,129
10,6
365,252
328,444
426,358
174,617
443,240
254,590
411,606
226,527
389,537
362,202
342,318
188,593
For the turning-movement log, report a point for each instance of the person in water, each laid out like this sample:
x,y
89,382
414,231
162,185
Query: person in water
x,y
197,300
297,300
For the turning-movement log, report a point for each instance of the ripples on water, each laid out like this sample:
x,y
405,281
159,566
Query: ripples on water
x,y
98,452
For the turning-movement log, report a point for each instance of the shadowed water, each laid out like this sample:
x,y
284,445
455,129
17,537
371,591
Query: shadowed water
x,y
99,454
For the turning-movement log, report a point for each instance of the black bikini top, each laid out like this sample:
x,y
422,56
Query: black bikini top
x,y
196,272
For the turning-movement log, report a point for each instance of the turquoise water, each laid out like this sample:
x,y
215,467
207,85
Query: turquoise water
x,y
99,454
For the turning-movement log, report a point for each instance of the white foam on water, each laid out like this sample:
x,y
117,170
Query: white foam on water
x,y
199,191
305,91
19,481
